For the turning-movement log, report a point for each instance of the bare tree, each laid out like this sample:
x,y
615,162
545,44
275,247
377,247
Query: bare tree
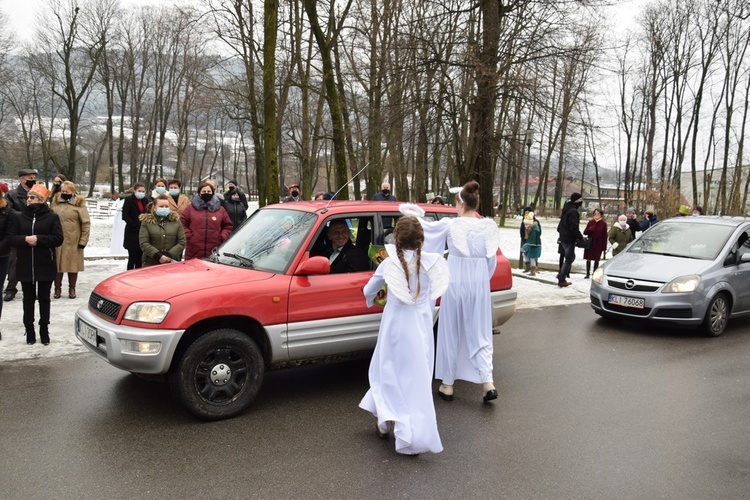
x,y
73,37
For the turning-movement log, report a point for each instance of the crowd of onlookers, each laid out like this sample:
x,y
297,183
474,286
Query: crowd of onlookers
x,y
43,233
596,239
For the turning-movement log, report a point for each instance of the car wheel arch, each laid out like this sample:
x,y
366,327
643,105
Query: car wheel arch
x,y
249,326
726,289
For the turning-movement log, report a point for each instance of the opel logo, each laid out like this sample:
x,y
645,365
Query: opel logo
x,y
100,303
630,284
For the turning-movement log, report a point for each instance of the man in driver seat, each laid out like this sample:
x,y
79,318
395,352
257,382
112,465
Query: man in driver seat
x,y
343,255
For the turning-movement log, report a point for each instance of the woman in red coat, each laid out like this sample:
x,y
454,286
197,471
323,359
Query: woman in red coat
x,y
206,223
596,230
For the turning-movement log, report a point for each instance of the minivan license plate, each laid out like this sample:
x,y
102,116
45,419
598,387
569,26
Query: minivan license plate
x,y
87,332
627,301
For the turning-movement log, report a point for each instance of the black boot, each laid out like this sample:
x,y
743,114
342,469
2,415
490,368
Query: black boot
x,y
44,334
30,335
588,269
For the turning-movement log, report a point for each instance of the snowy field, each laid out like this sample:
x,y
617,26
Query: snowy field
x,y
533,293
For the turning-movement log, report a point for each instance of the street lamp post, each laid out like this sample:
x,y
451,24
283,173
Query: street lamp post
x,y
529,140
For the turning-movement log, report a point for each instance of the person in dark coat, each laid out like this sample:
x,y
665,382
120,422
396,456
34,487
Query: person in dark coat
x,y
132,208
633,223
596,230
294,194
6,214
235,203
35,234
17,201
206,223
649,219
343,255
384,194
232,188
570,232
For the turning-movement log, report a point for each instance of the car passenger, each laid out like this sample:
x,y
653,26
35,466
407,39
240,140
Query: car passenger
x,y
343,255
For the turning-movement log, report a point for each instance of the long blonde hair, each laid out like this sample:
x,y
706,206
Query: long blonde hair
x,y
409,235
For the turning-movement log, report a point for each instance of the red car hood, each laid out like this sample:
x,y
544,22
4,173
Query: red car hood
x,y
166,281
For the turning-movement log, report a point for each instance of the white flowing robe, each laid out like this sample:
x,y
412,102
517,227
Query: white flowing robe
x,y
118,230
401,368
464,347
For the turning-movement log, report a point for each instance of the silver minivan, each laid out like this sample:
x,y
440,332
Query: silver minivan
x,y
684,271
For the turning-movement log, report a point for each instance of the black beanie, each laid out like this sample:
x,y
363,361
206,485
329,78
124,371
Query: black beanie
x,y
575,197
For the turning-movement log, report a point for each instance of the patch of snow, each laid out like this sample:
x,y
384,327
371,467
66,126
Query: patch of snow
x,y
533,292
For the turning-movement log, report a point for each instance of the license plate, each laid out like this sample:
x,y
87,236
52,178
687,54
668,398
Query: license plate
x,y
87,332
627,301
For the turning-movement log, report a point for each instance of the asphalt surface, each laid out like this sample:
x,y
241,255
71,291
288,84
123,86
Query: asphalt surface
x,y
586,409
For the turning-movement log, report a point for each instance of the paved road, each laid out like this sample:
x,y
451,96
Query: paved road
x,y
587,409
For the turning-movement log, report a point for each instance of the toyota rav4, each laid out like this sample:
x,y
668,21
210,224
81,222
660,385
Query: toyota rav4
x,y
213,327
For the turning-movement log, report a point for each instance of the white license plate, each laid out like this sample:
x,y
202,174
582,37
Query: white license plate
x,y
87,332
627,301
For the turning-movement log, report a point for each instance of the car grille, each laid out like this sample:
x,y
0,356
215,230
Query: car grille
x,y
632,285
104,306
683,312
628,310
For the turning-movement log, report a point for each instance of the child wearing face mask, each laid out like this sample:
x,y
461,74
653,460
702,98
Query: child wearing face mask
x,y
162,237
620,234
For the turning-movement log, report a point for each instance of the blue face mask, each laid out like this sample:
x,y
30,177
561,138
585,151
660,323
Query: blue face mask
x,y
174,192
140,195
160,190
162,211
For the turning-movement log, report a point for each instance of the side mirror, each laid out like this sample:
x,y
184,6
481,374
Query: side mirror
x,y
314,266
745,257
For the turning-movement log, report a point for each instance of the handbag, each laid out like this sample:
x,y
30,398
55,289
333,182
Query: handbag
x,y
584,243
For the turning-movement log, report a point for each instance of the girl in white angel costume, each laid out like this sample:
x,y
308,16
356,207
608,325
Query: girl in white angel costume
x,y
400,394
464,347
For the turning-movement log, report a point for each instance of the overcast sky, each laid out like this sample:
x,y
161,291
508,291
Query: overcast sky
x,y
21,13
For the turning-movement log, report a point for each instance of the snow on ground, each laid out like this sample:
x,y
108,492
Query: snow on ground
x,y
533,292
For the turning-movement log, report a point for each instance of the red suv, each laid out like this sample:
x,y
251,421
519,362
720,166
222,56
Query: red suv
x,y
214,326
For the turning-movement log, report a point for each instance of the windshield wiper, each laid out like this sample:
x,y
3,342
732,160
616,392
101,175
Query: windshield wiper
x,y
667,254
243,260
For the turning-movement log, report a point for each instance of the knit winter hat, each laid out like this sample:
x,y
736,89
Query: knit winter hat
x,y
41,190
683,210
575,197
4,187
